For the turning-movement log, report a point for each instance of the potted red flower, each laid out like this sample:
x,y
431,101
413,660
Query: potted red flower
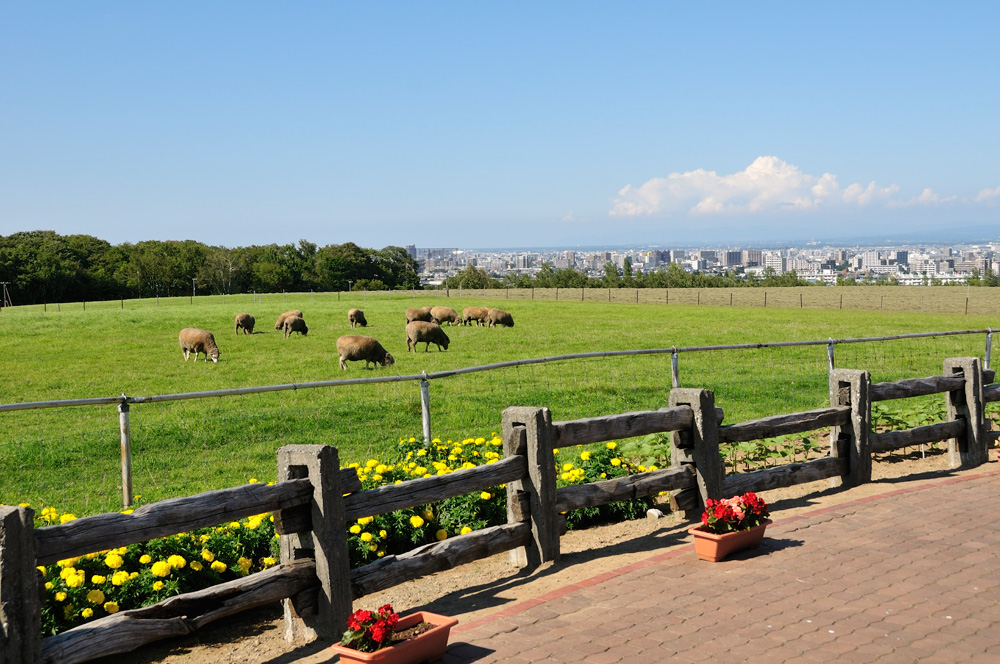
x,y
729,525
382,636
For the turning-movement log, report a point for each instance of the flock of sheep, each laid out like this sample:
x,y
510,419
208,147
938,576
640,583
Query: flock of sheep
x,y
423,325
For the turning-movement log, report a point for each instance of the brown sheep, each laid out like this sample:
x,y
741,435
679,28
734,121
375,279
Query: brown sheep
x,y
246,322
441,314
357,317
356,347
418,313
430,333
281,319
499,318
294,324
194,340
477,314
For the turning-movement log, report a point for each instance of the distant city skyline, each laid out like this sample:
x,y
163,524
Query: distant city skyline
x,y
500,125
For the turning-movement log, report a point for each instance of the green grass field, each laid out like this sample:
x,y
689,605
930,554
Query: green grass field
x,y
69,457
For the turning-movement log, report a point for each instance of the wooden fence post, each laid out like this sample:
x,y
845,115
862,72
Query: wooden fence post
x,y
20,588
539,485
967,404
851,387
325,540
699,446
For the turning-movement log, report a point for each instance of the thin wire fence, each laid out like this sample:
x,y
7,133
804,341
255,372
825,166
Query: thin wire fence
x,y
183,444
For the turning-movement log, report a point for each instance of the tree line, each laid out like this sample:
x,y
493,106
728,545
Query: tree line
x,y
43,266
670,276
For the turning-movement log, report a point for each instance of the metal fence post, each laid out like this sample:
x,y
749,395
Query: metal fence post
x,y
125,434
675,371
989,348
425,407
829,353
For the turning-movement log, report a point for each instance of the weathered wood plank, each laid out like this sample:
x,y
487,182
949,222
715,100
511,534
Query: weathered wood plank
x,y
932,433
991,393
624,425
782,476
421,491
624,488
438,556
780,425
178,615
916,387
166,517
20,589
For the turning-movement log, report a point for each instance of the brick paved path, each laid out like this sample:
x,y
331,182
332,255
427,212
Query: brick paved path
x,y
908,576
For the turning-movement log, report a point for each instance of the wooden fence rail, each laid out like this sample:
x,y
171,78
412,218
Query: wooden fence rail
x,y
314,501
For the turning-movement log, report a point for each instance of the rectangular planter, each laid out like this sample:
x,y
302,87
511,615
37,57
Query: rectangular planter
x,y
716,546
424,647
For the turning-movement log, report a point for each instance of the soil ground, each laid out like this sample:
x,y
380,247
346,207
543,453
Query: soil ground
x,y
472,591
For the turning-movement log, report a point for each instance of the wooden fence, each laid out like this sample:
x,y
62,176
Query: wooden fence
x,y
315,499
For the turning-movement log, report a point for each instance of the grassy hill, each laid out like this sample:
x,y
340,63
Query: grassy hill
x,y
69,457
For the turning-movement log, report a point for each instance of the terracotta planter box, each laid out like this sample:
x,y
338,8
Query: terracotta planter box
x,y
714,546
425,647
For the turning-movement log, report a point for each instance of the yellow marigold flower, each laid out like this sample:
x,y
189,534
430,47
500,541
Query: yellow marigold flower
x,y
95,597
567,466
87,613
416,521
480,441
584,456
41,568
124,512
268,562
120,577
381,468
376,478
612,445
466,530
235,525
428,514
68,562
132,575
380,552
205,537
652,468
486,495
207,555
382,533
113,560
146,559
61,596
373,547
603,475
616,462
362,477
371,463
49,585
421,452
565,477
219,567
441,535
157,585
196,565
161,568
355,529
75,581
253,480
67,572
365,520
366,537
67,517
97,579
111,607
244,564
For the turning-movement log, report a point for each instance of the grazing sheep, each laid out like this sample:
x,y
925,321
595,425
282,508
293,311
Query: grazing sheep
x,y
356,347
281,319
357,317
418,313
246,322
194,340
294,324
499,318
430,333
477,314
441,314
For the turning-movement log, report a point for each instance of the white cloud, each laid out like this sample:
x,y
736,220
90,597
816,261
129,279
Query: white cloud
x,y
988,195
767,185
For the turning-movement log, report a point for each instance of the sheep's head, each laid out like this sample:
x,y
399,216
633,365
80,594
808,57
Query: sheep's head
x,y
389,360
214,355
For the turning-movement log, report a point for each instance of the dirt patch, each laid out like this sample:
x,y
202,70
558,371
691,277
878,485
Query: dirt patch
x,y
473,591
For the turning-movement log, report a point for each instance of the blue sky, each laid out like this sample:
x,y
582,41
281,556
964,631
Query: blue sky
x,y
498,124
